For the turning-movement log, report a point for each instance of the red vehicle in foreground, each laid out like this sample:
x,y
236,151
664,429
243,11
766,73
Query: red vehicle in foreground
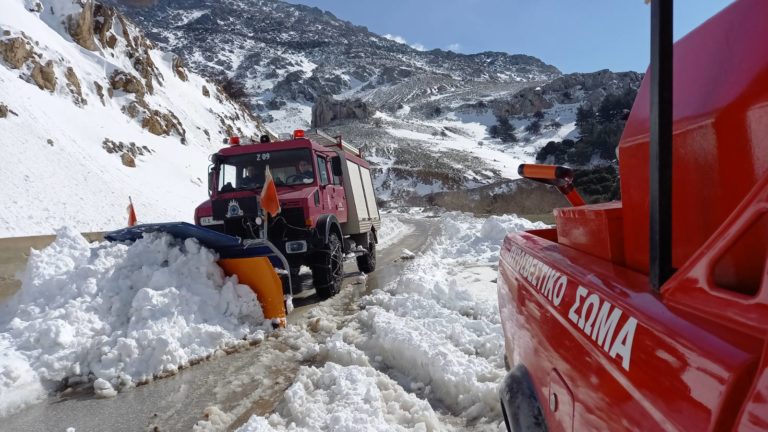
x,y
593,342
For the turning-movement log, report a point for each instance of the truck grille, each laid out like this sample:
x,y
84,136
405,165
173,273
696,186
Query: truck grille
x,y
294,216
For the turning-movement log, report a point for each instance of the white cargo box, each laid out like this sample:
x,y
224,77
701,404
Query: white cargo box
x,y
362,209
363,212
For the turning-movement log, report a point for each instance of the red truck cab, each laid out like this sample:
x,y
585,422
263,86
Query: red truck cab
x,y
591,344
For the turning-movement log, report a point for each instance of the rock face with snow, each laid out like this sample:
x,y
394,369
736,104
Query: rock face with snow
x,y
80,74
422,117
327,110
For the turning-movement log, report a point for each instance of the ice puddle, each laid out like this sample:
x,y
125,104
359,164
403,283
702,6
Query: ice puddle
x,y
117,315
427,347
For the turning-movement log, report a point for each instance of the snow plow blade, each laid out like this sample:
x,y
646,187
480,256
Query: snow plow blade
x,y
254,262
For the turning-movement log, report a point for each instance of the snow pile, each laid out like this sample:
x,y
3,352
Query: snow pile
x,y
346,398
392,230
438,325
119,314
431,339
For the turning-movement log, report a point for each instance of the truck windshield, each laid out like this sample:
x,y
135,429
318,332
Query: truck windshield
x,y
288,167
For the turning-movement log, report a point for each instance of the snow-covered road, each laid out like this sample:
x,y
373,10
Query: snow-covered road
x,y
249,381
417,345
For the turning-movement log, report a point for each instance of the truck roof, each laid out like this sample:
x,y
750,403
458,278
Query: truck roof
x,y
316,140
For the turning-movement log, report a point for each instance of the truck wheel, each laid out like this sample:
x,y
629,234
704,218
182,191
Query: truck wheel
x,y
366,263
328,268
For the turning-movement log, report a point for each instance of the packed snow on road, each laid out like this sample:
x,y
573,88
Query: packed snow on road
x,y
423,353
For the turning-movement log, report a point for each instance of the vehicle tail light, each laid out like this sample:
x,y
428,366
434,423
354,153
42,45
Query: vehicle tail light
x,y
298,133
233,141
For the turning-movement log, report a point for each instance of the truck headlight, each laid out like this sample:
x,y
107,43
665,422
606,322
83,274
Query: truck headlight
x,y
297,246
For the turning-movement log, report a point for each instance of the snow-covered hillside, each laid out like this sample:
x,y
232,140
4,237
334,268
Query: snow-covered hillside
x,y
422,116
95,113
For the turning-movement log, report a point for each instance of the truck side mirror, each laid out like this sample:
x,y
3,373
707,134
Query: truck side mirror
x,y
336,166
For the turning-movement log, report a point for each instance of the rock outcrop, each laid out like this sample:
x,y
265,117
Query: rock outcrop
x,y
178,68
328,110
99,91
102,24
128,160
127,82
73,84
44,75
15,51
80,27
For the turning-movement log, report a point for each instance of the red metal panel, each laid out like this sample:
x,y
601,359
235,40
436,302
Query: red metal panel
x,y
721,119
676,374
595,229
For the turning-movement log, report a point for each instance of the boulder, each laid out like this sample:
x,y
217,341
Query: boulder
x,y
327,110
154,125
178,68
129,83
3,110
44,75
15,51
128,160
206,93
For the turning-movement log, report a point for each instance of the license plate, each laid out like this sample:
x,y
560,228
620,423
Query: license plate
x,y
209,220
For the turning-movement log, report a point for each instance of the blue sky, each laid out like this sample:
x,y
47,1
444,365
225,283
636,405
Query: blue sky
x,y
573,35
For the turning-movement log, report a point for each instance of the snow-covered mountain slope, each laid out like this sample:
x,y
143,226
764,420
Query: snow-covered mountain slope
x,y
92,112
422,116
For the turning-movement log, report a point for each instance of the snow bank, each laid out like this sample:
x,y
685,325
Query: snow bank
x,y
392,230
120,314
438,324
432,338
346,398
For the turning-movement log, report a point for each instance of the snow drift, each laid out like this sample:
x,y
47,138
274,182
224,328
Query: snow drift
x,y
117,314
427,345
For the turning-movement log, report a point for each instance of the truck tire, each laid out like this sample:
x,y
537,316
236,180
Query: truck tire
x,y
328,268
366,263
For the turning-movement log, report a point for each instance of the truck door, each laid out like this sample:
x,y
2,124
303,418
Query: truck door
x,y
326,193
339,197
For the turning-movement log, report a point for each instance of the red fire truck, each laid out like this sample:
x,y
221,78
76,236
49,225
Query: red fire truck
x,y
327,199
651,314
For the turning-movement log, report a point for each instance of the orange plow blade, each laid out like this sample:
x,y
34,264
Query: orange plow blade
x,y
259,274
